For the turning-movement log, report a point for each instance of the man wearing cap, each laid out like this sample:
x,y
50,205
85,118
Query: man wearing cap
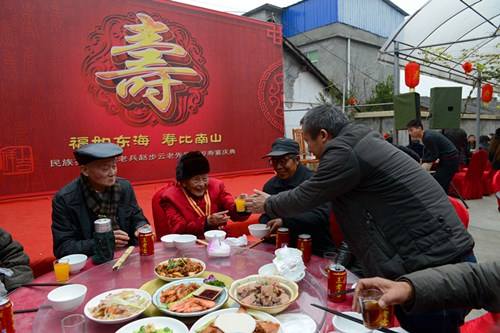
x,y
285,160
95,194
196,203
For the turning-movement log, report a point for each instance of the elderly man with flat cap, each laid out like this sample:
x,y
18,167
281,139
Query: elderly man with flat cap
x,y
290,173
95,194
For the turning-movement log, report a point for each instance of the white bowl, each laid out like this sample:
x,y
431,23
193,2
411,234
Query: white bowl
x,y
168,240
185,241
76,262
270,269
347,326
215,234
258,230
67,298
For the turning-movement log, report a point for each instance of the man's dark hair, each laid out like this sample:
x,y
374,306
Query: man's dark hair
x,y
326,117
415,123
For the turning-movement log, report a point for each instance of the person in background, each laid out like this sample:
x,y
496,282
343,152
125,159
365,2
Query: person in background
x,y
494,151
195,203
15,267
484,142
459,138
285,160
437,149
444,287
96,193
394,215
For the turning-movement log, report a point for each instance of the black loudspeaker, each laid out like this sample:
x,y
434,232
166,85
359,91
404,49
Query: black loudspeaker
x,y
406,108
446,106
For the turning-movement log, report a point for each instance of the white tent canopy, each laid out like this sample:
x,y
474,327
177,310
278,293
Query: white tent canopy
x,y
443,34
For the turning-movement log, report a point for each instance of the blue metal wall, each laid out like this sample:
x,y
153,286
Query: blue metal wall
x,y
307,15
375,16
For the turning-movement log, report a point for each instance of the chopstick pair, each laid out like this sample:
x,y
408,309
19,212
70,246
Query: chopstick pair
x,y
263,239
51,284
119,263
343,315
26,310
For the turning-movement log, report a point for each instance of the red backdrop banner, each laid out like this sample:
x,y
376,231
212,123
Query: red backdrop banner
x,y
155,77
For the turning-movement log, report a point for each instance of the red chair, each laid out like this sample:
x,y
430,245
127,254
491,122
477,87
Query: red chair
x,y
487,179
462,212
483,324
496,187
468,183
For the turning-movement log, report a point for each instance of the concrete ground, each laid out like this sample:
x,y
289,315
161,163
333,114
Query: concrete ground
x,y
485,228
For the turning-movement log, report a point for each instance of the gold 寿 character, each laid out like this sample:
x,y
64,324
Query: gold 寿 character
x,y
150,69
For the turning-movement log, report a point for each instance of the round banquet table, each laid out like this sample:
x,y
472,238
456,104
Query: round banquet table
x,y
137,270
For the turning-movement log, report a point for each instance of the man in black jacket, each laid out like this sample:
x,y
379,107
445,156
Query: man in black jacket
x,y
394,215
285,160
95,194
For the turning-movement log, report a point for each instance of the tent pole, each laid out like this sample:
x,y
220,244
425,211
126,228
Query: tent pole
x,y
478,114
396,89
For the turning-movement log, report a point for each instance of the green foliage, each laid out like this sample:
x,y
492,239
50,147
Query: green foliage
x,y
382,93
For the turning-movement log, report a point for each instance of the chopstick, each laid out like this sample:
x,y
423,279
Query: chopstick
x,y
263,239
343,315
53,284
26,310
122,259
202,242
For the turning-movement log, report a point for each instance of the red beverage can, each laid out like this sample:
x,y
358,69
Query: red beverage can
x,y
6,316
304,243
146,241
282,238
337,282
387,317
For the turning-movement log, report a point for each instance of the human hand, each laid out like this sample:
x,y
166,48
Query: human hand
x,y
218,219
121,238
274,224
394,292
255,202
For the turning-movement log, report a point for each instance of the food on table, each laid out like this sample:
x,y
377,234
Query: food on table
x,y
178,268
241,322
212,280
209,293
191,304
263,293
120,305
178,292
150,328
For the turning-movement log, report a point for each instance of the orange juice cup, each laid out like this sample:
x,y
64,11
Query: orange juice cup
x,y
240,203
61,269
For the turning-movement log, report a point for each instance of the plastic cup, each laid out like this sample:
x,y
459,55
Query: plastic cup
x,y
61,270
75,323
371,311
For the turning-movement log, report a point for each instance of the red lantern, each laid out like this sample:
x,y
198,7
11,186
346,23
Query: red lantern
x,y
352,101
412,74
487,93
467,66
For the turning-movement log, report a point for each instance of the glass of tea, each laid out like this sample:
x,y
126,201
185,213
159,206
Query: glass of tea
x,y
371,311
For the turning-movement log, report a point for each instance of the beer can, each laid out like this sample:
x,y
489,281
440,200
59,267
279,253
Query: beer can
x,y
146,241
6,316
337,282
282,238
387,317
304,243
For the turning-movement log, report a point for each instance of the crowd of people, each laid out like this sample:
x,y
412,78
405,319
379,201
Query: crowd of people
x,y
395,216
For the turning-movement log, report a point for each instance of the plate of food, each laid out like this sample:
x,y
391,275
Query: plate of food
x,y
179,268
117,306
189,298
155,325
237,320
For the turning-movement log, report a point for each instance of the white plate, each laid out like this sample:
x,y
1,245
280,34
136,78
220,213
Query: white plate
x,y
95,301
200,323
219,302
347,326
297,323
168,279
270,269
159,322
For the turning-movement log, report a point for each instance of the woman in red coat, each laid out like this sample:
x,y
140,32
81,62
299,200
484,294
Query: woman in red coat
x,y
196,203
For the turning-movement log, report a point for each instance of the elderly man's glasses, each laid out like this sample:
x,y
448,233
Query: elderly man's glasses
x,y
275,161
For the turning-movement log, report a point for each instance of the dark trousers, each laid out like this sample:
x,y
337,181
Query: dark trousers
x,y
445,171
441,321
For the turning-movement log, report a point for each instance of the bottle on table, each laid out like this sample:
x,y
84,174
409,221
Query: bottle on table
x,y
6,315
337,283
304,243
104,248
282,238
146,241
